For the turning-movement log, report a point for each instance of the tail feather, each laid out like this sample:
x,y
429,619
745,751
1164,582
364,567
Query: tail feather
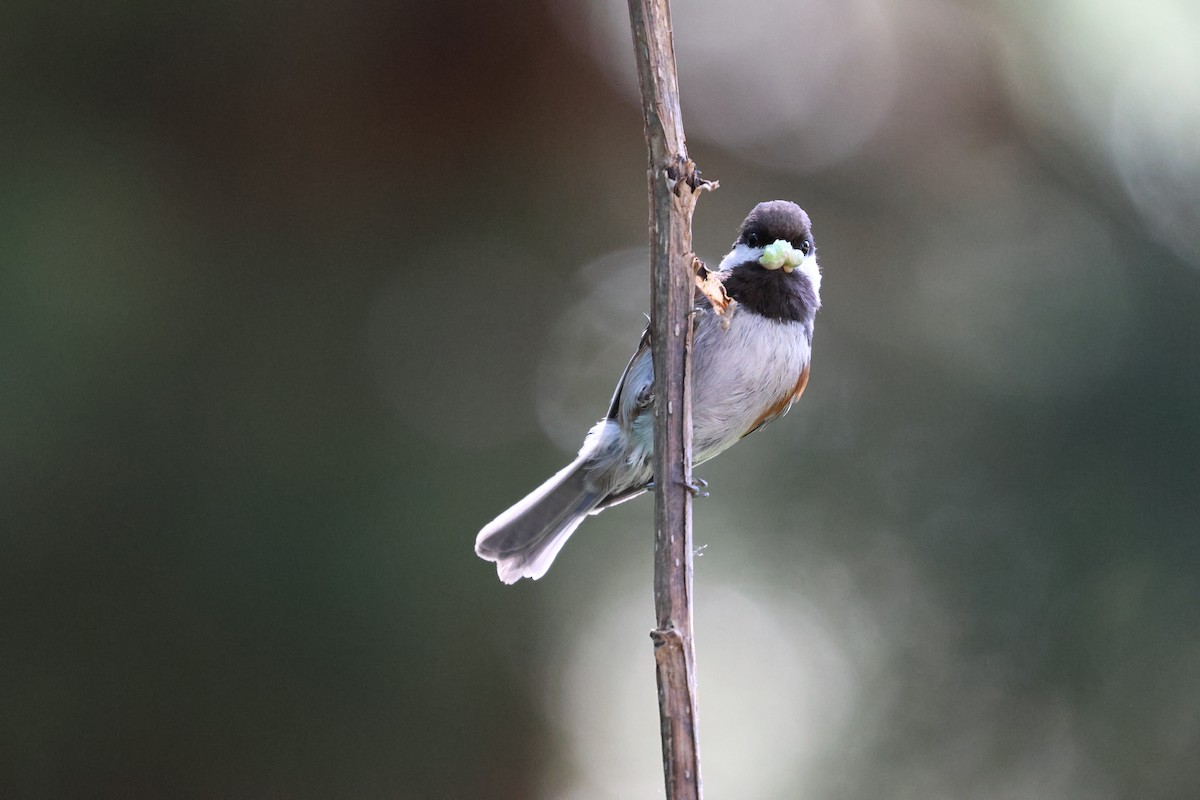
x,y
524,540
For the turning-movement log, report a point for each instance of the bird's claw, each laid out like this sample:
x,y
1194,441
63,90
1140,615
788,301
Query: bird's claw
x,y
695,488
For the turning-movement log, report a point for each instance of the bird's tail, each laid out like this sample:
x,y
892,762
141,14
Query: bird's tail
x,y
524,540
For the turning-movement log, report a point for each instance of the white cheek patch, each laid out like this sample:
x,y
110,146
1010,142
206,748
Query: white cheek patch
x,y
811,270
740,254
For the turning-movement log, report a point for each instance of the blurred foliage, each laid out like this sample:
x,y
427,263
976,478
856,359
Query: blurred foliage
x,y
293,299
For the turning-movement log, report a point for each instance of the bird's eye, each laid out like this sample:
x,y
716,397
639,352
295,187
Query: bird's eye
x,y
806,246
752,238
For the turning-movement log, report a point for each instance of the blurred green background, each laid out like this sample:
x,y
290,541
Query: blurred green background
x,y
295,297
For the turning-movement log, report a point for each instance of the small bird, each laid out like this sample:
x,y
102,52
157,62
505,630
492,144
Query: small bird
x,y
748,366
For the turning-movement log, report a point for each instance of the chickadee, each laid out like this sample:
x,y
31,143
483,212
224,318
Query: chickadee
x,y
748,367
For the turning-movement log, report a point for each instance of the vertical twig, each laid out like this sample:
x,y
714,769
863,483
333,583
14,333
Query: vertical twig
x,y
674,186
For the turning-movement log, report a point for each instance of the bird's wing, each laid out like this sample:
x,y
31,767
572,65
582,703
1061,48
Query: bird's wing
x,y
643,349
701,303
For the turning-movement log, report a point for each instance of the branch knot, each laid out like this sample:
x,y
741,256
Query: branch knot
x,y
684,173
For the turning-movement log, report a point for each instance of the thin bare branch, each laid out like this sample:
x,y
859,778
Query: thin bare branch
x,y
674,184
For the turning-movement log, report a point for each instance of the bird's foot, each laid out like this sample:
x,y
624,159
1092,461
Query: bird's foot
x,y
695,488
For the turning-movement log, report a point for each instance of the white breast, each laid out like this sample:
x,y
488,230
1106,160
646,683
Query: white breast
x,y
740,373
